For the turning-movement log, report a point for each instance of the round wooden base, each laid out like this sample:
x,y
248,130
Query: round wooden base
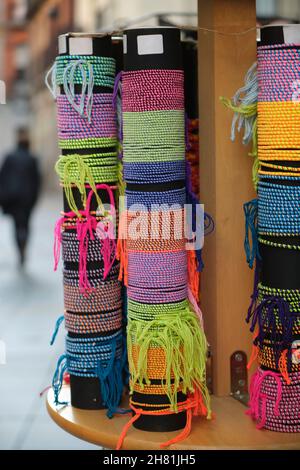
x,y
230,430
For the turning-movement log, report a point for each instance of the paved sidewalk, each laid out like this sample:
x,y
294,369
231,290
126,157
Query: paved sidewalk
x,y
30,303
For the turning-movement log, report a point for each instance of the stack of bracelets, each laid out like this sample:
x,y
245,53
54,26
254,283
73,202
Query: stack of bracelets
x,y
165,339
95,351
273,219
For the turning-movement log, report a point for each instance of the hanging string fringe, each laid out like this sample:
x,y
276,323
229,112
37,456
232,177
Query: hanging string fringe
x,y
185,348
56,329
251,213
258,399
86,96
193,274
73,171
111,383
50,80
58,378
86,228
193,407
244,106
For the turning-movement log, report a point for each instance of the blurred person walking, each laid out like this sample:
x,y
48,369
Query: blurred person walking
x,y
20,183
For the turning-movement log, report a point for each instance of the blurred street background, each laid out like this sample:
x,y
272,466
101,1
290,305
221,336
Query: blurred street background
x,y
31,298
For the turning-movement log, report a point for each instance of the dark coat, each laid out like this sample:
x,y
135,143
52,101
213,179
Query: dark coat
x,y
19,182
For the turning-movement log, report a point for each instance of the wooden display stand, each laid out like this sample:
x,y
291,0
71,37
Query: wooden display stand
x,y
229,431
226,282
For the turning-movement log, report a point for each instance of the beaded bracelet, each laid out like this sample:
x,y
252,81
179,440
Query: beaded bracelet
x,y
152,90
273,404
101,357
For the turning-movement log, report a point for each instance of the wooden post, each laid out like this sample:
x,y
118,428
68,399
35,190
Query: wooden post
x,y
225,179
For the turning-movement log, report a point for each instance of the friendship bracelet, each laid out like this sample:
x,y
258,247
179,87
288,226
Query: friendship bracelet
x,y
155,128
280,154
159,295
178,333
285,178
278,123
156,172
268,358
156,369
72,125
273,404
94,276
103,69
158,226
93,323
101,169
85,143
151,90
103,358
156,200
160,318
136,154
153,389
287,246
281,200
289,295
157,270
107,296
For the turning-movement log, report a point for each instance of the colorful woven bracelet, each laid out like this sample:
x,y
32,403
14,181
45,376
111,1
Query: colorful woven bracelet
x,y
286,246
281,200
101,357
102,298
73,68
93,323
72,125
156,172
155,200
95,142
273,404
152,90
